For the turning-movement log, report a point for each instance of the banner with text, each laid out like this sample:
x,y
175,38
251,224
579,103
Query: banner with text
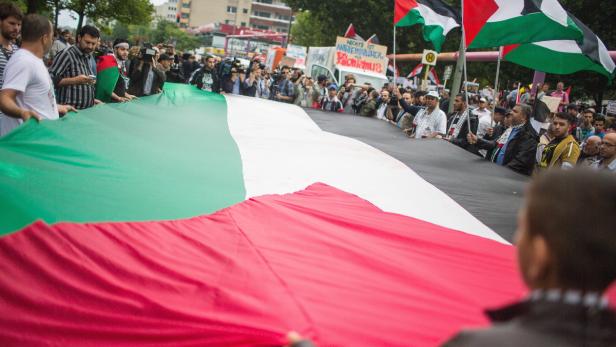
x,y
361,55
299,54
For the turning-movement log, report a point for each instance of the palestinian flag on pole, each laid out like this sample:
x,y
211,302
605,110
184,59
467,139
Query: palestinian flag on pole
x,y
107,74
431,75
436,17
351,34
415,72
191,218
564,56
494,23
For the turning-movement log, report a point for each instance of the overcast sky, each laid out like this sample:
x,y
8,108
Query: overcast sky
x,y
66,19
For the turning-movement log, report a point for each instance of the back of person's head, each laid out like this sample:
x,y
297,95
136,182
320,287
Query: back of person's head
x,y
8,9
89,30
572,212
35,26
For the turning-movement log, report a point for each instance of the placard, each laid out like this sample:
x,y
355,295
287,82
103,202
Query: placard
x,y
361,55
299,54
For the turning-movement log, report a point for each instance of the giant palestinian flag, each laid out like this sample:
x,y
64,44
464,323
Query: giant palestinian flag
x,y
493,23
436,17
190,218
564,56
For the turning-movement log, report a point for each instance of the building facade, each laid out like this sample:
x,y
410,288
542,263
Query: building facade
x,y
269,15
167,11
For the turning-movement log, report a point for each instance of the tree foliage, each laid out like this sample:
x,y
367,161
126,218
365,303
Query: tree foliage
x,y
163,32
123,11
328,19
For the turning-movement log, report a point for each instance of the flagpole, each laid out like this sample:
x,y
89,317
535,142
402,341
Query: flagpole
x,y
395,68
468,117
498,65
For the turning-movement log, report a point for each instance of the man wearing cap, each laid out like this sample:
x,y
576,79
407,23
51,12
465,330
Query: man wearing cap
x,y
484,115
164,64
430,122
331,102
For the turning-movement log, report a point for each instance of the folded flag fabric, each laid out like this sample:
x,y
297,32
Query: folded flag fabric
x,y
494,23
436,17
175,220
107,74
565,56
185,153
322,262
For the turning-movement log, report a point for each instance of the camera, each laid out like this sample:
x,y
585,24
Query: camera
x,y
147,52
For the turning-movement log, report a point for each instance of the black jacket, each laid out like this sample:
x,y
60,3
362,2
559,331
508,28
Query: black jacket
x,y
175,76
542,324
521,150
138,74
197,79
461,140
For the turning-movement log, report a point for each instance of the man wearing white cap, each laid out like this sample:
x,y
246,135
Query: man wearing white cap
x,y
430,122
485,117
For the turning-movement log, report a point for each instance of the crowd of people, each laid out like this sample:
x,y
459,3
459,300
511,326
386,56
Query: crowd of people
x,y
50,73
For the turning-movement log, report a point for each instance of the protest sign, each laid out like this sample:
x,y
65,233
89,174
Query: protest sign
x,y
299,54
361,55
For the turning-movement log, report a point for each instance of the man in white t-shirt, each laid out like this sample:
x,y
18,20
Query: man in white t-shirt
x,y
484,115
28,91
430,122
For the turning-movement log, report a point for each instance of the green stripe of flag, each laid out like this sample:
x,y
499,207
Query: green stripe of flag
x,y
158,158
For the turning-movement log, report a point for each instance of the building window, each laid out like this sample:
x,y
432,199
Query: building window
x,y
245,10
231,9
243,24
262,14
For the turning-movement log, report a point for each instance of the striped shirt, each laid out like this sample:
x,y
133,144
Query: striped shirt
x,y
5,55
71,62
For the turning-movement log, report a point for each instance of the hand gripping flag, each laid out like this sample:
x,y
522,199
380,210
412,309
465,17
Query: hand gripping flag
x,y
436,17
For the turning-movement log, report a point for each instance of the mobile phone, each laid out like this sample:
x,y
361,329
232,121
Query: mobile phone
x,y
92,77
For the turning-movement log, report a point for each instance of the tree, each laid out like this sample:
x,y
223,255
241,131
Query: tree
x,y
307,31
124,11
164,32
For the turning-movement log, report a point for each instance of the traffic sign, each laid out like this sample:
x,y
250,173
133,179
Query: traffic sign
x,y
429,57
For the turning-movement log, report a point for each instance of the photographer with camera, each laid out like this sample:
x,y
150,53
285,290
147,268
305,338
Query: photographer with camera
x,y
305,86
145,77
283,89
347,93
264,84
251,81
165,63
206,78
